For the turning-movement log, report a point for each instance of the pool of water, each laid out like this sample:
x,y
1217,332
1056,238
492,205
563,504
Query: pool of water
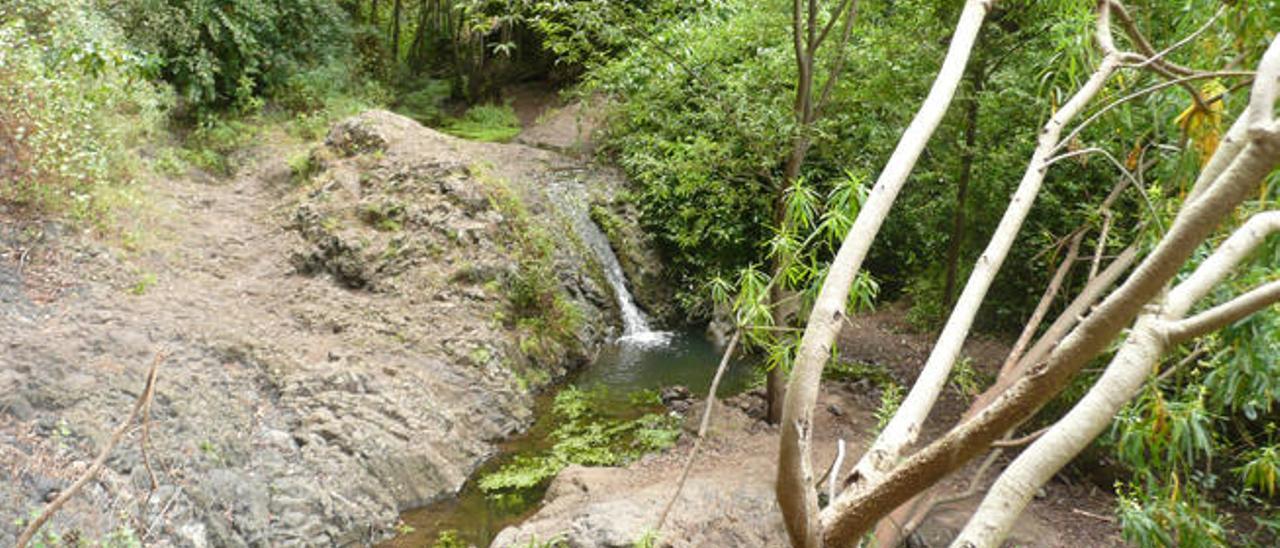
x,y
685,358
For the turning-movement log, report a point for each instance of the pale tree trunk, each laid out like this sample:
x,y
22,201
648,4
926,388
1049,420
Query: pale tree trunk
x,y
796,497
1129,370
1222,191
909,516
907,422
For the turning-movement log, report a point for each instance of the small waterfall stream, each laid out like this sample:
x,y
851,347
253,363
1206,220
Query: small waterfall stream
x,y
639,359
569,195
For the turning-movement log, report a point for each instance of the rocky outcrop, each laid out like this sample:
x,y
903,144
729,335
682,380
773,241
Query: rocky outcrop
x,y
335,351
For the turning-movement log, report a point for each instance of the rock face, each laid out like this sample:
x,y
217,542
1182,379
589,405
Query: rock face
x,y
335,350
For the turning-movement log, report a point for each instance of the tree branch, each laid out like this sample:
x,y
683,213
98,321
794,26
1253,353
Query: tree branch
x,y
1224,314
1214,269
702,428
1140,41
1046,299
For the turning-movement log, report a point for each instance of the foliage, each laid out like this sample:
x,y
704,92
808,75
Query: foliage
x,y
492,123
1205,428
448,539
587,435
227,54
890,399
424,102
852,370
73,100
811,228
1158,516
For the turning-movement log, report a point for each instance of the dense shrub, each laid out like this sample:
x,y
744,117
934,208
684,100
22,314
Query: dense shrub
x,y
229,53
73,98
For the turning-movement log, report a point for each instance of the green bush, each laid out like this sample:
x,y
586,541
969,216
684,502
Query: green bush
x,y
73,100
230,53
424,103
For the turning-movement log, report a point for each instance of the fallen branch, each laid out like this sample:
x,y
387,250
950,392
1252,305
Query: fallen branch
x,y
1046,299
1098,517
702,428
144,402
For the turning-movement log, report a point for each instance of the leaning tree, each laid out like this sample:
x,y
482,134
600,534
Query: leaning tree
x,y
890,479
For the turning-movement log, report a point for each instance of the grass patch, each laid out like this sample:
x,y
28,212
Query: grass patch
x,y
491,123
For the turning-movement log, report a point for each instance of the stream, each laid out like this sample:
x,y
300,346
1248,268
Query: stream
x,y
641,358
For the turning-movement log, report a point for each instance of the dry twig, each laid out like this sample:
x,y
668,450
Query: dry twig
x,y
143,403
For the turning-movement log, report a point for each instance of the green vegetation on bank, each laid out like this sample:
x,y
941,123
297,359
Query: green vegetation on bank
x,y
586,434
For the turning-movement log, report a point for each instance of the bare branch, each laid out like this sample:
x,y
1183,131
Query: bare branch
x,y
1214,269
1021,441
1067,319
1158,57
1140,41
1046,299
838,67
835,17
834,473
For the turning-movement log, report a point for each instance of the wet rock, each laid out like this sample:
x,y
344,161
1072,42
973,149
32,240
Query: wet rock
x,y
675,393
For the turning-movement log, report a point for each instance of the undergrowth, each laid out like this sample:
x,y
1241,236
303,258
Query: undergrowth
x,y
546,321
586,435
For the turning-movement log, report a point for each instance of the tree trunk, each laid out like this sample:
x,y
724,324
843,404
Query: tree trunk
x,y
395,32
806,44
962,185
907,422
796,497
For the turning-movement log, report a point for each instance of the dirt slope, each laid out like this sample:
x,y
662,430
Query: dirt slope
x,y
324,369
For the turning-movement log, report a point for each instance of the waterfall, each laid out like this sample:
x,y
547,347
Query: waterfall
x,y
635,326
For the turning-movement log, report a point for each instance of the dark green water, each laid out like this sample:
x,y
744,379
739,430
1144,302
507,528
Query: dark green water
x,y
687,359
